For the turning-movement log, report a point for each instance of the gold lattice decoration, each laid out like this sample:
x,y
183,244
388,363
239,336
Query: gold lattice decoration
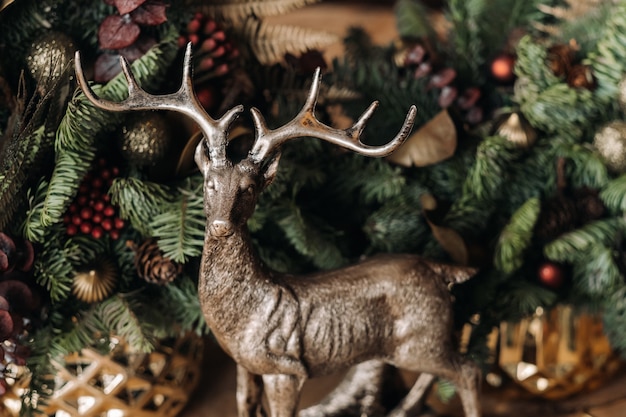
x,y
123,383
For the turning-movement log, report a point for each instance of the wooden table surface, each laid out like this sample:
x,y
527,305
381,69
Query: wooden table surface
x,y
215,395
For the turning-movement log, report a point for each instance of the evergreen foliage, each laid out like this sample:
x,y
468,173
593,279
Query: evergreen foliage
x,y
328,207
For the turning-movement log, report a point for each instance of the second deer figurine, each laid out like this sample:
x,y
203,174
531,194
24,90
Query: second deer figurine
x,y
282,329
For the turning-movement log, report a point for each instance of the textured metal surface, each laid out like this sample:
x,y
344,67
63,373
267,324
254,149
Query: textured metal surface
x,y
283,329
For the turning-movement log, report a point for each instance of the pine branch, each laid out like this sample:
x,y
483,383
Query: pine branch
x,y
116,314
596,273
614,195
572,245
140,201
76,144
180,226
180,299
53,269
516,237
307,237
588,167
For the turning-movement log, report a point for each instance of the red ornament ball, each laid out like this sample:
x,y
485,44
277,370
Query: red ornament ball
x,y
502,68
551,275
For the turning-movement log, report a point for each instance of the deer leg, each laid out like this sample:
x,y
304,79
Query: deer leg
x,y
249,393
469,385
413,402
283,394
359,393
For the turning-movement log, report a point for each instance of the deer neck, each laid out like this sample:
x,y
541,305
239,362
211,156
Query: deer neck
x,y
232,279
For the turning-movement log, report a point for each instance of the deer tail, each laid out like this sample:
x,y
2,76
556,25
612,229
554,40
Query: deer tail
x,y
453,274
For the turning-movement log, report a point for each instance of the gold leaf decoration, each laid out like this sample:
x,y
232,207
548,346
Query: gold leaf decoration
x,y
239,10
449,239
270,43
434,142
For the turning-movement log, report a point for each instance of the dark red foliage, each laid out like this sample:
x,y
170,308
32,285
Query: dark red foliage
x,y
6,325
150,14
126,6
117,32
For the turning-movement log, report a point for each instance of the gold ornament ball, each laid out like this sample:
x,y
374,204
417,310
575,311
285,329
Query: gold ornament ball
x,y
49,56
96,282
145,139
610,141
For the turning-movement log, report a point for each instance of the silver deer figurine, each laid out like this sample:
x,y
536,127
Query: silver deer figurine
x,y
282,329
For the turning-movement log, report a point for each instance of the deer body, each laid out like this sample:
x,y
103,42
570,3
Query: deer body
x,y
282,329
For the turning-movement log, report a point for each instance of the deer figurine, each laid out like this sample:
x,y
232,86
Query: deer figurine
x,y
282,329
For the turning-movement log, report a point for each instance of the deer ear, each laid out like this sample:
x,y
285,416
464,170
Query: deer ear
x,y
201,158
270,169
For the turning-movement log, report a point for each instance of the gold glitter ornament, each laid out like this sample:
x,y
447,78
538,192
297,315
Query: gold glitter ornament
x,y
145,138
49,56
610,141
95,283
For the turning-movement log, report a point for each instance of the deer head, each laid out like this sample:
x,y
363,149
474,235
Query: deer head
x,y
231,190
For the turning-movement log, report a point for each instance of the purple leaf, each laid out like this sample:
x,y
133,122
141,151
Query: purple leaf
x,y
127,6
117,32
150,14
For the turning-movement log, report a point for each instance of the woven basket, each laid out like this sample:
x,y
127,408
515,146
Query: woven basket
x,y
123,383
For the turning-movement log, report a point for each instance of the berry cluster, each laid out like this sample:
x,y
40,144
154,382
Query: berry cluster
x,y
92,212
419,59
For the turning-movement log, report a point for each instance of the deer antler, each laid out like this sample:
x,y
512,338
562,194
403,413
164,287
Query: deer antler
x,y
306,124
183,101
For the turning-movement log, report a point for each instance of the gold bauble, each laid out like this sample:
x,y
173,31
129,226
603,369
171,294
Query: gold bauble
x,y
610,141
557,353
49,56
96,282
516,129
145,138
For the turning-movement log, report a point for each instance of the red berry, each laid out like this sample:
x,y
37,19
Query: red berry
x,y
97,218
551,275
86,228
209,27
118,223
108,211
115,234
82,200
193,38
502,68
193,26
102,162
105,174
115,171
86,213
97,183
97,232
73,208
98,205
83,189
182,41
71,230
107,224
67,219
106,198
76,220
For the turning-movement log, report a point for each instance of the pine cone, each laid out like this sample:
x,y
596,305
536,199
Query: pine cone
x,y
152,266
558,215
589,205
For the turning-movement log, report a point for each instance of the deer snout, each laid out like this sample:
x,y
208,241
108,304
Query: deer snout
x,y
221,228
